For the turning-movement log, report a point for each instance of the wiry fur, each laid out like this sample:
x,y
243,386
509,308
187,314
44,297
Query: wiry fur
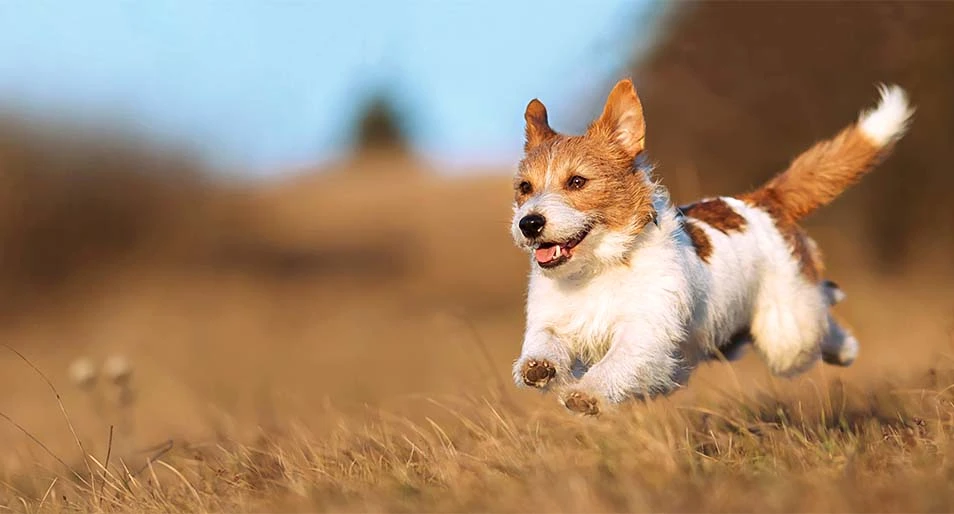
x,y
651,290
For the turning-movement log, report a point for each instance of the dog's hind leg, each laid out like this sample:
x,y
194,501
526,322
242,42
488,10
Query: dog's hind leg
x,y
734,348
833,294
839,347
789,325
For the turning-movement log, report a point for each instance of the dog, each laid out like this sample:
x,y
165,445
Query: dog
x,y
628,293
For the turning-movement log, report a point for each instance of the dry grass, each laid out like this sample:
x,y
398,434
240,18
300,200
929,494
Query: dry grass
x,y
874,449
343,344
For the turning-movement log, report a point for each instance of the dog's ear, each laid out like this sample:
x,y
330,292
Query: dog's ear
x,y
622,119
538,128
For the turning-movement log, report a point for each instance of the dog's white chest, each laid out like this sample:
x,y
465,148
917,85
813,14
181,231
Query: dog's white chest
x,y
584,318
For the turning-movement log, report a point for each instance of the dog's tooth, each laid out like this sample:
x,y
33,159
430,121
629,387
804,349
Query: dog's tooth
x,y
558,250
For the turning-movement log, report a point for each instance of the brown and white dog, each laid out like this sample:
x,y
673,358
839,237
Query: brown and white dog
x,y
628,293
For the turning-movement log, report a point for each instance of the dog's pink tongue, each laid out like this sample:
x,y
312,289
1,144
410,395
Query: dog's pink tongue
x,y
545,254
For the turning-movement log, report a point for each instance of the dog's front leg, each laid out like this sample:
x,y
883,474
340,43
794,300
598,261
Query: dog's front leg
x,y
543,361
643,360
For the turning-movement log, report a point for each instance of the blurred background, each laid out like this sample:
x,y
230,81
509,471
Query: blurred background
x,y
266,210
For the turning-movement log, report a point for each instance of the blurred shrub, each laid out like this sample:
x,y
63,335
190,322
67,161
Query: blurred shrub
x,y
82,205
74,200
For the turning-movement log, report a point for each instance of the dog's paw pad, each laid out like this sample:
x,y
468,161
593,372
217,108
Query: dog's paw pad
x,y
581,403
537,373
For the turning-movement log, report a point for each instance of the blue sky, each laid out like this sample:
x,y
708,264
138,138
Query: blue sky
x,y
269,85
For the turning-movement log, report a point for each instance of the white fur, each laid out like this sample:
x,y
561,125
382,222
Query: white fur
x,y
889,120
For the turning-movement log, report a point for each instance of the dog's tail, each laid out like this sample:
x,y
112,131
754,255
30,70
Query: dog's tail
x,y
824,171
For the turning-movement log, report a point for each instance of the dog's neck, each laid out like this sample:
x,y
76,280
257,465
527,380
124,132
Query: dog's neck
x,y
665,226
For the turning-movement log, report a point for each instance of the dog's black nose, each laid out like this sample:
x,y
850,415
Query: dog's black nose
x,y
532,224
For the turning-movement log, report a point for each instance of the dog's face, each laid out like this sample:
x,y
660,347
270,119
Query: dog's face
x,y
580,200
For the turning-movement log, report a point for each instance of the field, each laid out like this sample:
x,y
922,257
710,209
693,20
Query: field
x,y
342,342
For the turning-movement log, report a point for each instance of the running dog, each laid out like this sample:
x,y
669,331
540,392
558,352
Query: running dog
x,y
628,293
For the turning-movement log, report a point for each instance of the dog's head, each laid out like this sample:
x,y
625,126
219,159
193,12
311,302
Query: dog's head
x,y
579,201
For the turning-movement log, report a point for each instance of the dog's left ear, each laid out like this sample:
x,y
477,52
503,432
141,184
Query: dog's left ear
x,y
538,128
622,118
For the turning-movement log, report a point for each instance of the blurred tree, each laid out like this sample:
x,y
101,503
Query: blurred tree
x,y
380,127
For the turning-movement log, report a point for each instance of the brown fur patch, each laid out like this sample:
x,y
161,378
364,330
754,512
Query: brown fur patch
x,y
807,253
700,240
717,214
803,248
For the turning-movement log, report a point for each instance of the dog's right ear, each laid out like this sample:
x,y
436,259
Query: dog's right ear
x,y
538,128
622,119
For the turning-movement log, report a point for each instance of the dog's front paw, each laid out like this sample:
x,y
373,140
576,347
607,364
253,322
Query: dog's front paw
x,y
537,373
581,403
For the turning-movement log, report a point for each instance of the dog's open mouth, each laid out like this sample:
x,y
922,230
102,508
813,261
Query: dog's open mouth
x,y
551,255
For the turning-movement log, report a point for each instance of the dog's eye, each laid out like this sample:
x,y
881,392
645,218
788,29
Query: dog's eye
x,y
576,182
525,188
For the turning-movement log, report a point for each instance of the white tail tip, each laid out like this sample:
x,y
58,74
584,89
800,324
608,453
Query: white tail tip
x,y
887,122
